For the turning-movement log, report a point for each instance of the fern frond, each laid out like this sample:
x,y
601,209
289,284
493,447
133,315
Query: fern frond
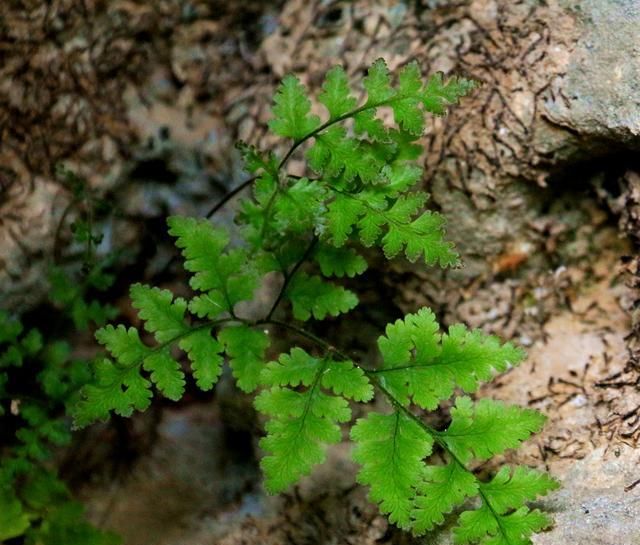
x,y
504,517
205,354
372,214
163,319
255,160
512,489
439,94
19,345
224,276
310,295
484,527
348,381
339,262
486,428
439,490
120,385
424,366
163,316
303,423
291,110
334,154
299,208
295,369
365,191
391,448
296,440
246,349
336,95
377,83
121,390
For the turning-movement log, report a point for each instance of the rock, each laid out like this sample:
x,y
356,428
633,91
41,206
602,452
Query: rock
x,y
66,86
597,503
599,95
559,86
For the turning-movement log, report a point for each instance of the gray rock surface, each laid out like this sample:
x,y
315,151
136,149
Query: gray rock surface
x,y
597,505
599,95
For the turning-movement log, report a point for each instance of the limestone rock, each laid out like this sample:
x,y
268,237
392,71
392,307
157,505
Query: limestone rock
x,y
599,95
598,504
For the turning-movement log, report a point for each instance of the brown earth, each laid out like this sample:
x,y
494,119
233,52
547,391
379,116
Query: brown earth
x,y
535,173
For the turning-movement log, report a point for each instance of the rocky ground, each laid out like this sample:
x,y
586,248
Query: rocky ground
x,y
536,172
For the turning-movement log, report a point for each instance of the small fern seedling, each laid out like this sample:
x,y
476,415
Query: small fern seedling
x,y
39,380
360,190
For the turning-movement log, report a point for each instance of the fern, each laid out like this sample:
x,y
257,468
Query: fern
x,y
309,230
33,501
39,381
304,422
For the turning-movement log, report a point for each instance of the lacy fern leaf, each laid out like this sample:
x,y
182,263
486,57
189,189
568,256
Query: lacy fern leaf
x,y
310,295
292,118
303,422
224,277
339,261
483,526
304,229
336,94
439,490
488,428
163,316
512,489
390,448
246,349
425,366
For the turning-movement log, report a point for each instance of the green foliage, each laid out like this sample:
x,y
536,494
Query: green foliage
x,y
424,366
246,348
307,232
504,518
32,498
291,110
488,428
39,382
309,295
70,295
390,448
339,261
225,277
303,422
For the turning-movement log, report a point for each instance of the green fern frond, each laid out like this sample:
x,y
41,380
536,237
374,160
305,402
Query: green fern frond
x,y
246,348
390,448
223,276
291,110
305,229
438,491
339,262
310,295
163,315
299,208
425,366
336,94
396,223
485,527
120,385
303,423
488,428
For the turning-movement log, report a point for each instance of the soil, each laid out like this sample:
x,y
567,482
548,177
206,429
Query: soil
x,y
542,195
